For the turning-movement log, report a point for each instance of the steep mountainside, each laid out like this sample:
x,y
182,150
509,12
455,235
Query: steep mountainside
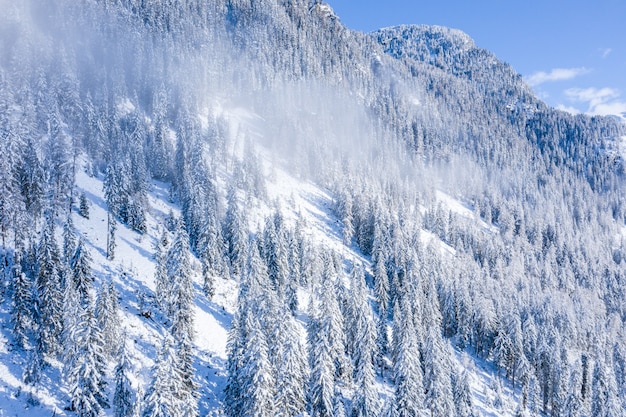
x,y
288,217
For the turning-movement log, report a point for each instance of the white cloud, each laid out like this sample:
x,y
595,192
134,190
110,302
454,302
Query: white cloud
x,y
602,102
605,52
556,74
569,109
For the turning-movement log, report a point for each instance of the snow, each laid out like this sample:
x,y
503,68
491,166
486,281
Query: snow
x,y
457,207
132,271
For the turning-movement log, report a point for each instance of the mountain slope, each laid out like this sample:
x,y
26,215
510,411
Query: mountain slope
x,y
361,212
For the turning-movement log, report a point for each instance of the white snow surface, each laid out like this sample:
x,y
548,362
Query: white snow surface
x,y
132,271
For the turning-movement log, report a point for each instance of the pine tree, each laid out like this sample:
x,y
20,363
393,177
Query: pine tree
x,y
321,389
234,347
604,400
108,319
83,205
210,250
69,239
289,362
160,274
111,228
80,265
462,395
437,382
124,396
178,272
365,400
347,219
257,383
408,378
57,161
31,178
49,291
86,367
235,233
21,306
160,398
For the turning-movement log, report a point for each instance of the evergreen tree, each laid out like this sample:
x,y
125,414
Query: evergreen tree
x,y
80,265
235,233
462,396
408,378
321,389
604,400
211,253
83,205
178,272
160,274
86,368
178,269
160,398
365,400
31,178
49,291
234,346
256,381
124,399
111,228
57,162
108,319
69,239
437,381
289,362
21,306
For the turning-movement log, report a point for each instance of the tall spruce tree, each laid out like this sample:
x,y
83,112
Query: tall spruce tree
x,y
161,397
365,399
124,397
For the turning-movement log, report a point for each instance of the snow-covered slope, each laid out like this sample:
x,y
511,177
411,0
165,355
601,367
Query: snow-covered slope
x,y
490,226
132,272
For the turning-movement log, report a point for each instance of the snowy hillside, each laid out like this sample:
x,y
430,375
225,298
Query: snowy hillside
x,y
133,269
242,208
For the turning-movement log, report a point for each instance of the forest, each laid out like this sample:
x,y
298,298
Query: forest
x,y
214,102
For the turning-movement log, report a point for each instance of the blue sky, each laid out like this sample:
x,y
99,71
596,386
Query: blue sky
x,y
573,53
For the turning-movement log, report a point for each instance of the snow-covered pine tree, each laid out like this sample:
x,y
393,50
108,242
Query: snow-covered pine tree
x,y
21,304
289,363
604,399
462,395
235,233
210,250
111,228
437,383
256,379
161,279
83,205
178,272
321,386
30,174
57,162
86,374
234,347
407,369
365,398
80,266
49,291
160,399
107,316
69,239
124,397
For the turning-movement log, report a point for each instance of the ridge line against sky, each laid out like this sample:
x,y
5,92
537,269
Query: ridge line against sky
x,y
572,53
